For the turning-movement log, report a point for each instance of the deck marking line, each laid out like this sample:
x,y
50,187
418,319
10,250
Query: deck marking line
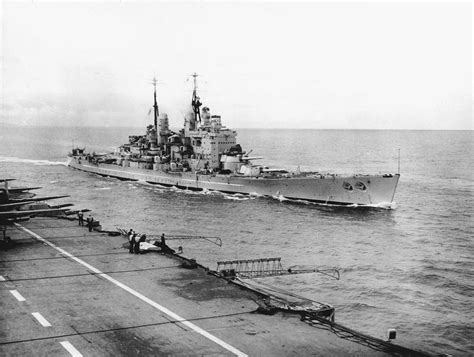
x,y
41,319
17,295
2,278
140,296
71,349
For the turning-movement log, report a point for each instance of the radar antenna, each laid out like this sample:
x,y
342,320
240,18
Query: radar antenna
x,y
196,103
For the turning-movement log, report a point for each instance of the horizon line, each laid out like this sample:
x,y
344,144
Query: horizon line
x,y
2,124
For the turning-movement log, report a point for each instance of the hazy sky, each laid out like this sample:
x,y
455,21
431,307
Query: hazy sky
x,y
276,65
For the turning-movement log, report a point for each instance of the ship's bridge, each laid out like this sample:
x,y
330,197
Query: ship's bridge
x,y
208,138
207,145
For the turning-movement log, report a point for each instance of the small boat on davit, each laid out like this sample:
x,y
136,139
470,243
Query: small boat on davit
x,y
204,155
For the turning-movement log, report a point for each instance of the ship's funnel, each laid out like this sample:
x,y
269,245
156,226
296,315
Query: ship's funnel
x,y
189,122
206,116
163,128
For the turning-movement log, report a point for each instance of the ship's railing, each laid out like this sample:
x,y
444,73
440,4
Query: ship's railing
x,y
251,267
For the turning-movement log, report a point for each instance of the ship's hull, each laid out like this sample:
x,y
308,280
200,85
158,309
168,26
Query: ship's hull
x,y
327,189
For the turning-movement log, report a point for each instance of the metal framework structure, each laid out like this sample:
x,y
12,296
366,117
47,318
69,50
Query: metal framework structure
x,y
251,268
262,267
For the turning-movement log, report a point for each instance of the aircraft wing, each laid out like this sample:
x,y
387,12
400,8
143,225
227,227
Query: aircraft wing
x,y
19,214
15,204
22,189
63,205
37,199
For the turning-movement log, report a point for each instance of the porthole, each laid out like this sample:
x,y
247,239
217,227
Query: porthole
x,y
347,186
360,186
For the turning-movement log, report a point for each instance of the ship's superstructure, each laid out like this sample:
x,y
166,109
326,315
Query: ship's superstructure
x,y
203,144
204,154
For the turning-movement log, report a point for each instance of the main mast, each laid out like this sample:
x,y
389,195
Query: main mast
x,y
196,103
155,106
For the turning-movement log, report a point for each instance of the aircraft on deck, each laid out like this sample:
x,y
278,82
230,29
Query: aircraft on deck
x,y
12,209
21,189
21,192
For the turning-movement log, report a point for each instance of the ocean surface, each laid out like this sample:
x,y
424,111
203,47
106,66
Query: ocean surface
x,y
410,268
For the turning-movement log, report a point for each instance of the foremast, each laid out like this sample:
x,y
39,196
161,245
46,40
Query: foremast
x,y
155,106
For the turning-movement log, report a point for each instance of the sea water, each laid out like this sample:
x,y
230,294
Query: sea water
x,y
408,268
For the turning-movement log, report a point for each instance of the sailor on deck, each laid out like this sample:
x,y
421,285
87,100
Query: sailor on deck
x,y
136,243
80,217
131,240
90,222
164,247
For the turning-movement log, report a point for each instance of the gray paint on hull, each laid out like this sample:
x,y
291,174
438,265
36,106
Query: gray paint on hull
x,y
327,190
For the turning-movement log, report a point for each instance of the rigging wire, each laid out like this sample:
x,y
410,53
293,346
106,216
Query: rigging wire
x,y
59,257
358,337
55,227
69,237
128,327
271,288
91,273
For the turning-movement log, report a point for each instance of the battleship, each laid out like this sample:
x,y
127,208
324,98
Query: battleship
x,y
205,155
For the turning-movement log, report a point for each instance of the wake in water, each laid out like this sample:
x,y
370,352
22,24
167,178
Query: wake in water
x,y
30,161
382,205
156,187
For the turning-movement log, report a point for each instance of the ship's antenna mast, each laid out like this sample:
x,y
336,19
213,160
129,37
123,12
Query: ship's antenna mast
x,y
195,75
196,103
399,161
155,105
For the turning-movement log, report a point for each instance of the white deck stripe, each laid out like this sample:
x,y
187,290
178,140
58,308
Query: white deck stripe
x,y
140,296
17,295
71,349
2,278
41,319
